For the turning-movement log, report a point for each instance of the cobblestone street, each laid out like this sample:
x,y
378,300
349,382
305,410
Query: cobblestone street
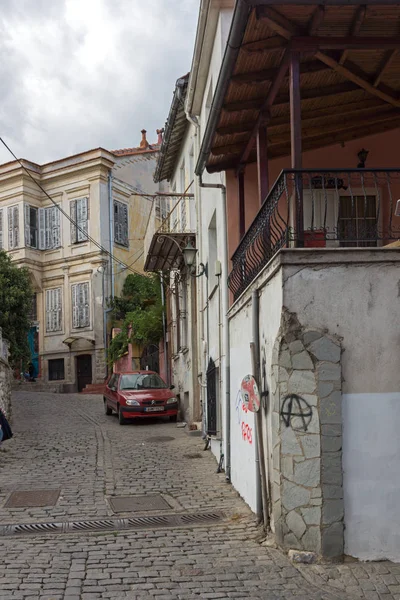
x,y
67,443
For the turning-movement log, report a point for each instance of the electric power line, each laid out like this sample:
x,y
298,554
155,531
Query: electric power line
x,y
97,244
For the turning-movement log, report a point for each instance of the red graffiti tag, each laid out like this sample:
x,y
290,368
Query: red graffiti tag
x,y
247,433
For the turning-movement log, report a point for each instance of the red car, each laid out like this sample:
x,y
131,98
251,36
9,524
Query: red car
x,y
139,394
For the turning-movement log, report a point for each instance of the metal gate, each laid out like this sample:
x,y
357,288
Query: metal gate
x,y
150,358
211,398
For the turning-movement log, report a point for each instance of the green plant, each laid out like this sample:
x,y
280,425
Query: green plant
x,y
15,307
140,310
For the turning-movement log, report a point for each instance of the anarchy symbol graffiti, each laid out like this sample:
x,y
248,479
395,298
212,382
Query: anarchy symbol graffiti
x,y
295,407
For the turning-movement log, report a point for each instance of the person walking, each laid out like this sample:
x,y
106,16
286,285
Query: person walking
x,y
5,429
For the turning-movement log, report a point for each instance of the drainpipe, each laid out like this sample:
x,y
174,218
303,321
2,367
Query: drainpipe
x,y
261,481
225,306
106,311
164,327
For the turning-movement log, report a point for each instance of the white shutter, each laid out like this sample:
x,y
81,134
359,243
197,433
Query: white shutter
x,y
47,230
86,305
124,224
1,230
72,212
75,313
16,226
27,225
57,309
48,309
56,227
42,228
10,228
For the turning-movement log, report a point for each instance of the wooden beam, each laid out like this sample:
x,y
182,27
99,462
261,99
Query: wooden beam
x,y
388,59
288,30
268,102
309,43
311,94
360,81
319,113
314,66
316,20
272,43
277,22
262,163
355,27
295,110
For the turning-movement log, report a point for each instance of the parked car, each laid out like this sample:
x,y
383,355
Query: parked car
x,y
139,394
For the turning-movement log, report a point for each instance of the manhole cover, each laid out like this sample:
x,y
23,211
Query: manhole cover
x,y
161,438
32,498
122,504
193,456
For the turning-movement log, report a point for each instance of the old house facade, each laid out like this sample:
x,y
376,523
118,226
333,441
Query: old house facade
x,y
294,107
76,224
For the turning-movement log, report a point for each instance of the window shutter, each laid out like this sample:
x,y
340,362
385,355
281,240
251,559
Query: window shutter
x,y
124,224
47,221
56,227
85,316
1,230
81,315
72,212
42,227
116,222
75,315
10,228
16,226
82,218
48,310
27,225
58,309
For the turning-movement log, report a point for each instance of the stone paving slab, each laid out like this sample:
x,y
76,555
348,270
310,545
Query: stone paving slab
x,y
66,442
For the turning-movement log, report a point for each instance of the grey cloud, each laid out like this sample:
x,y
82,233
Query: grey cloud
x,y
73,82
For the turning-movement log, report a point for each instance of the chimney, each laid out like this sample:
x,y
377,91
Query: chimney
x,y
160,136
144,143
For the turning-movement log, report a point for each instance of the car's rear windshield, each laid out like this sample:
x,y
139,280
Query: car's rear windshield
x,y
138,381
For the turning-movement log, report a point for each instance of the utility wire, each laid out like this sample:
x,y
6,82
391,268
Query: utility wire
x,y
97,244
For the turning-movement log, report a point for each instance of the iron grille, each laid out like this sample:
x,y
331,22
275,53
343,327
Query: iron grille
x,y
150,358
211,398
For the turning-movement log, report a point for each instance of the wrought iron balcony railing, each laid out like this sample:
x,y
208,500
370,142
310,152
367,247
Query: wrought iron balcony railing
x,y
325,208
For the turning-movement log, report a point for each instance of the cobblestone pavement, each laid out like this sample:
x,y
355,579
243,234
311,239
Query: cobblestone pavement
x,y
66,442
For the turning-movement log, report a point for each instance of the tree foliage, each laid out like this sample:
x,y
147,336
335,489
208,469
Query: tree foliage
x,y
15,307
140,310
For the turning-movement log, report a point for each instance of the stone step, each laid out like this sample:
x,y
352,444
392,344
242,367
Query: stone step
x,y
36,386
94,388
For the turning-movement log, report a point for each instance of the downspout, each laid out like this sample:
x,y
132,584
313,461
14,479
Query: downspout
x,y
225,306
108,310
261,482
164,327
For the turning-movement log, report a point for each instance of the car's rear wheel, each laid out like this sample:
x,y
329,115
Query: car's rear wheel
x,y
121,418
107,409
173,418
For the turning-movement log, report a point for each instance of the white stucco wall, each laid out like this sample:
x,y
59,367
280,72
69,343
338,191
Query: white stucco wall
x,y
243,440
354,293
371,457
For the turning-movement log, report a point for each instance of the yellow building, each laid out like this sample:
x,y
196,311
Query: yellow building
x,y
63,220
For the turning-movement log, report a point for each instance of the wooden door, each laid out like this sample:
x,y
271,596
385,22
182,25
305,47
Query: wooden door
x,y
83,370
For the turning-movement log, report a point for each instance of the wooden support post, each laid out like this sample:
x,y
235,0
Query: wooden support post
x,y
262,163
242,209
295,140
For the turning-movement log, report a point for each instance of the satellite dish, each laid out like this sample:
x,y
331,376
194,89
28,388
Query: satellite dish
x,y
250,394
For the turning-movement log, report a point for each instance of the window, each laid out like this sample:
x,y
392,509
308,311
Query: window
x,y
13,227
80,305
138,381
31,226
183,316
121,223
212,251
53,310
1,230
49,228
79,211
113,383
56,369
357,221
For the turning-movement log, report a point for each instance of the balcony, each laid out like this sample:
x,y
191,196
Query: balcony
x,y
168,231
319,209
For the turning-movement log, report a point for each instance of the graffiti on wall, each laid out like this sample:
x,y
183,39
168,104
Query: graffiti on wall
x,y
296,412
241,412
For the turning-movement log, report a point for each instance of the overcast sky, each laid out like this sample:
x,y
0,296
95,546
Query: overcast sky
x,y
78,74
